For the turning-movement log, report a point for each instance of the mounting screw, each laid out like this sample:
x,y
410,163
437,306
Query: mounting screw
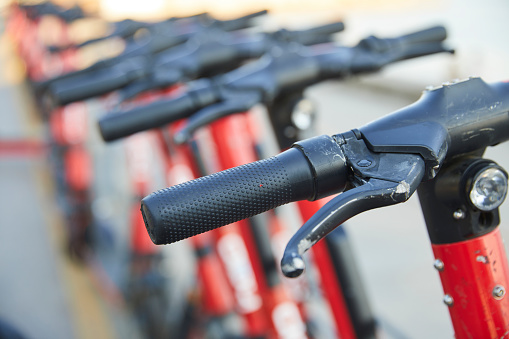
x,y
459,214
439,265
448,300
364,163
482,258
498,292
434,171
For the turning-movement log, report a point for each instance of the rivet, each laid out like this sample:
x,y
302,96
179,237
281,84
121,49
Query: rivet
x,y
459,214
498,292
448,300
439,265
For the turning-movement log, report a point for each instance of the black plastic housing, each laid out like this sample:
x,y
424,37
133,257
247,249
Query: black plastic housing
x,y
447,121
448,193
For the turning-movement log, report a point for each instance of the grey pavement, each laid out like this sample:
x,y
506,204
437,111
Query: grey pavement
x,y
32,295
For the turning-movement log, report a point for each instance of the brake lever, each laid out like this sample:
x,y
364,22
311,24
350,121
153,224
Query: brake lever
x,y
165,77
372,53
380,180
233,102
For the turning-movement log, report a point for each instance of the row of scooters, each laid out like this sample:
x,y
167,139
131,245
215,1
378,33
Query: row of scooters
x,y
184,96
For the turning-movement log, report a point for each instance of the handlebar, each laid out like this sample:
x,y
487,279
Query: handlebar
x,y
311,36
134,49
289,70
163,36
119,124
127,28
204,53
236,24
244,192
379,164
430,35
98,82
36,11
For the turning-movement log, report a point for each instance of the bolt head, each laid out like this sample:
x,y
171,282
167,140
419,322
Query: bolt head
x,y
434,171
498,292
459,214
364,163
439,265
448,300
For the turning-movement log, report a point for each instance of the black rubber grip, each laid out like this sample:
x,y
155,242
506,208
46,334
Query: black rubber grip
x,y
122,124
157,114
417,50
99,82
87,86
203,204
43,85
327,29
315,35
433,34
240,23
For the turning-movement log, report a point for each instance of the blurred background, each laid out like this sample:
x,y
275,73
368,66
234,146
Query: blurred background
x,y
44,294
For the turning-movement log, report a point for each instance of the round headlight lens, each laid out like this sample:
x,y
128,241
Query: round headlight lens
x,y
489,189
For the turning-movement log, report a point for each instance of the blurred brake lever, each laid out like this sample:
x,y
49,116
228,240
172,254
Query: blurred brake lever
x,y
234,102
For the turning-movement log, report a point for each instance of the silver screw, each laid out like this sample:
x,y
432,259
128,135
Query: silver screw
x,y
459,214
439,265
448,300
434,171
498,292
482,258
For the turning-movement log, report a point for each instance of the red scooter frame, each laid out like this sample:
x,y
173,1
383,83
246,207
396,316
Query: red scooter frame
x,y
474,275
469,252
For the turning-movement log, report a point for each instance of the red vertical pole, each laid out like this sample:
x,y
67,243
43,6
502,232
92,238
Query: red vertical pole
x,y
475,278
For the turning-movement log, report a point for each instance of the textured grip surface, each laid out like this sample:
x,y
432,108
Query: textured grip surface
x,y
81,87
121,124
200,205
